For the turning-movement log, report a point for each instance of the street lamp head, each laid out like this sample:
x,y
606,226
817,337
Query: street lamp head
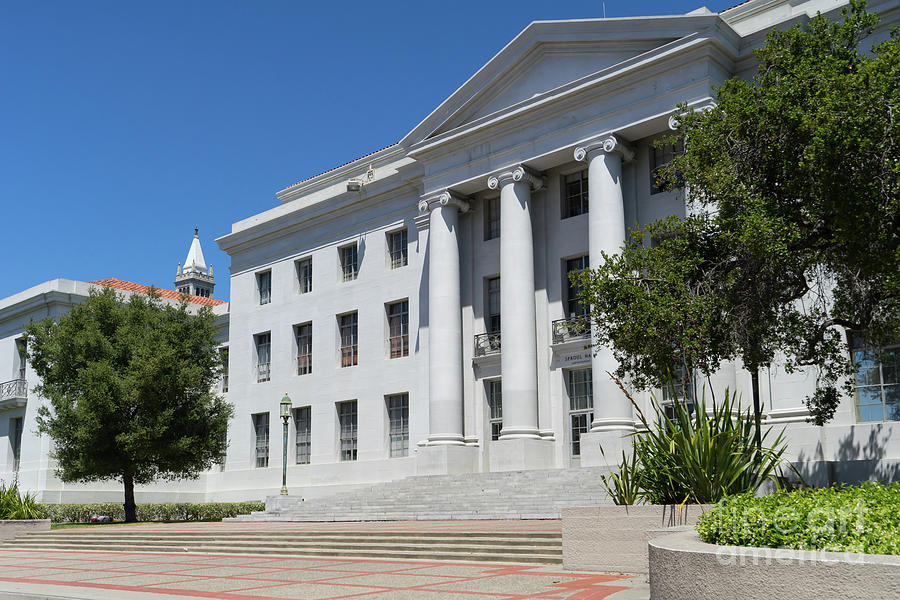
x,y
285,407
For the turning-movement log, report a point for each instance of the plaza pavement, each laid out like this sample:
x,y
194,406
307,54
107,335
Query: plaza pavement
x,y
39,574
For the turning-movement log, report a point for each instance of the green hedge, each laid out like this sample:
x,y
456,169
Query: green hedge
x,y
174,511
863,518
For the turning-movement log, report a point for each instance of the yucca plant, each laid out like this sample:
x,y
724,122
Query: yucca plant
x,y
696,456
16,505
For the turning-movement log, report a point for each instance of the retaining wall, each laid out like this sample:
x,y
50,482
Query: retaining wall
x,y
11,529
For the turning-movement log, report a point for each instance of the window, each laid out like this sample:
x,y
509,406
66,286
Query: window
x,y
877,384
347,422
574,307
581,404
492,218
303,426
492,304
263,356
303,335
264,284
349,262
659,159
398,417
681,388
261,429
304,275
495,407
575,194
398,328
15,429
23,357
397,248
349,339
223,353
184,290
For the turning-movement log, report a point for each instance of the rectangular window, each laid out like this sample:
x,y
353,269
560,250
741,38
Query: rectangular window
x,y
398,416
398,326
304,275
575,194
349,262
574,307
659,159
347,422
349,339
303,426
492,306
23,357
494,391
492,218
263,356
15,430
581,404
224,354
877,384
397,248
261,429
303,335
264,284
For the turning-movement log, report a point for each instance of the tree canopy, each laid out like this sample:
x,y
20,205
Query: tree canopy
x,y
130,389
791,239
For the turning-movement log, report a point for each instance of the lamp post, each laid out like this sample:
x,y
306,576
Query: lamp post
x,y
285,413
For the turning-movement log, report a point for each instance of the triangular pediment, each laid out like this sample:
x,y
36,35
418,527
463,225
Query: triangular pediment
x,y
548,56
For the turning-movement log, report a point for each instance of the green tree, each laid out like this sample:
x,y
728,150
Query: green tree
x,y
129,385
792,238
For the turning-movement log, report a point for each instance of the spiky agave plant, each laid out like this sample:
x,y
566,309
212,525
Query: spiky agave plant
x,y
16,505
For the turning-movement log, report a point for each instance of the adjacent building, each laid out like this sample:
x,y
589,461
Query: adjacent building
x,y
415,303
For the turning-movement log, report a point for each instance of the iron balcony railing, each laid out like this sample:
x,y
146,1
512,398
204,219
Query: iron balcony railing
x,y
487,343
573,328
17,388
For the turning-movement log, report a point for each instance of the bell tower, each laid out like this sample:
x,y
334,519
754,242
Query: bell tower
x,y
195,278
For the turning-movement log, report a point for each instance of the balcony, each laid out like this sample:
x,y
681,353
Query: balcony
x,y
487,344
573,328
13,394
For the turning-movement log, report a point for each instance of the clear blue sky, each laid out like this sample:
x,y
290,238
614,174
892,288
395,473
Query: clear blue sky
x,y
123,125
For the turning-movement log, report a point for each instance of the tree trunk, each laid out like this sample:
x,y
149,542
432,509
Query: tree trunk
x,y
130,507
757,410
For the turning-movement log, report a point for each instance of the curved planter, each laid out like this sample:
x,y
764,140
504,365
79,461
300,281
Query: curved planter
x,y
683,567
11,529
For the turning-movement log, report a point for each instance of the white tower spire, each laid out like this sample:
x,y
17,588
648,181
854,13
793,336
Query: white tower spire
x,y
195,278
194,262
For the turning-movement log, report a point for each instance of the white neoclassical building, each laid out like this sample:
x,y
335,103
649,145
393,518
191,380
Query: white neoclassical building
x,y
415,303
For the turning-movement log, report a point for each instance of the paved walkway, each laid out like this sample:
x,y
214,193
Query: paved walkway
x,y
486,525
44,574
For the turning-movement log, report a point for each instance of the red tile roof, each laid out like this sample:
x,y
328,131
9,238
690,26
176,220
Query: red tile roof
x,y
119,284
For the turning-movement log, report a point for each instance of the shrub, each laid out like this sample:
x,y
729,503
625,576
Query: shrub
x,y
170,511
694,456
838,519
16,505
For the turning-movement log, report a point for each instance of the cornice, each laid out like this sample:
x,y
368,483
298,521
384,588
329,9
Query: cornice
x,y
515,174
442,199
607,144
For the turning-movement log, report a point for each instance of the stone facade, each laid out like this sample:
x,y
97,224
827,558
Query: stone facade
x,y
369,295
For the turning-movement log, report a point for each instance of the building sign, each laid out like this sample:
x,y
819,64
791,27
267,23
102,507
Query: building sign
x,y
564,360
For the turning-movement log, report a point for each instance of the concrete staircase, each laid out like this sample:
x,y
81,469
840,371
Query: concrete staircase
x,y
498,546
537,494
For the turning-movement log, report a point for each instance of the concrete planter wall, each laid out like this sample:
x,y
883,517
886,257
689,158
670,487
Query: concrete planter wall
x,y
614,538
11,529
683,567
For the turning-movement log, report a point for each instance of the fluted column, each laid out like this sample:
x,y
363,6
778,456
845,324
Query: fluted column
x,y
606,231
445,391
518,357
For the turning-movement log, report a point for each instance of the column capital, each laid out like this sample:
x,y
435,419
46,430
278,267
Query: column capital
x,y
516,173
702,107
608,144
445,198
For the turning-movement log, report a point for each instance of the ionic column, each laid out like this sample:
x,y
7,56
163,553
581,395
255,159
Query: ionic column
x,y
606,231
445,390
518,358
